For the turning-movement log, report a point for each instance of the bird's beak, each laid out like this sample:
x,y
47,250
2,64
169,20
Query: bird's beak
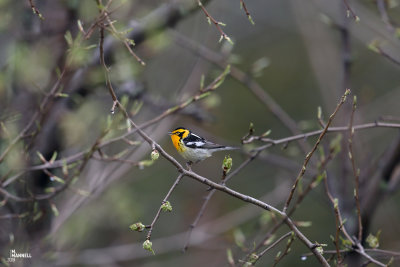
x,y
170,133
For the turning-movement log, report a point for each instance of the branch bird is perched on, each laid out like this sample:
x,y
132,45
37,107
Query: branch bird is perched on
x,y
193,147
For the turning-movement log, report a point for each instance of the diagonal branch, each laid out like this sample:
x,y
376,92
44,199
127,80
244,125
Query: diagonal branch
x,y
309,155
151,226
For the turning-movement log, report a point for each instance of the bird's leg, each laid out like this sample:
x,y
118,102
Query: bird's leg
x,y
189,165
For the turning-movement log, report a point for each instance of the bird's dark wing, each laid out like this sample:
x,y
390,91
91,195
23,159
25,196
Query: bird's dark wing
x,y
195,141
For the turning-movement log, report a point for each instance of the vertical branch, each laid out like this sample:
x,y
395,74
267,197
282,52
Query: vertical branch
x,y
103,62
106,69
338,220
342,185
356,172
309,155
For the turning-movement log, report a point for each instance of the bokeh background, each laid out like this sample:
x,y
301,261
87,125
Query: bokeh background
x,y
302,54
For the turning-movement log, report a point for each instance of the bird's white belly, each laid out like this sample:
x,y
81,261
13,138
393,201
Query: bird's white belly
x,y
197,155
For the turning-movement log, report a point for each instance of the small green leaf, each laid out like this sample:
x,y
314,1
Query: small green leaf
x,y
139,227
166,206
345,242
145,163
269,240
251,128
372,240
53,157
228,39
250,19
202,81
335,203
266,133
374,46
227,164
253,258
320,177
64,167
62,95
131,42
124,100
319,112
37,216
68,38
54,209
41,157
154,154
89,47
304,224
49,190
222,77
23,215
80,25
229,256
239,237
83,192
148,245
354,102
57,179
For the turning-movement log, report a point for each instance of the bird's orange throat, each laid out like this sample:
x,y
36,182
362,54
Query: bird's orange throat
x,y
177,144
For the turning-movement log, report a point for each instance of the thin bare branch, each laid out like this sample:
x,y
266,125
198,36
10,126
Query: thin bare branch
x,y
356,172
309,155
36,10
151,226
273,244
36,116
217,24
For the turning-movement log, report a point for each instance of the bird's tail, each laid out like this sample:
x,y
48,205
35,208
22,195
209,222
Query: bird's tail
x,y
227,148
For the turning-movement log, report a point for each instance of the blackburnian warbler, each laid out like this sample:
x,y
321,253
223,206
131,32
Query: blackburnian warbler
x,y
193,147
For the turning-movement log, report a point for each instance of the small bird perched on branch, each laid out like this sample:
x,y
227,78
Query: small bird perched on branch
x,y
193,147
